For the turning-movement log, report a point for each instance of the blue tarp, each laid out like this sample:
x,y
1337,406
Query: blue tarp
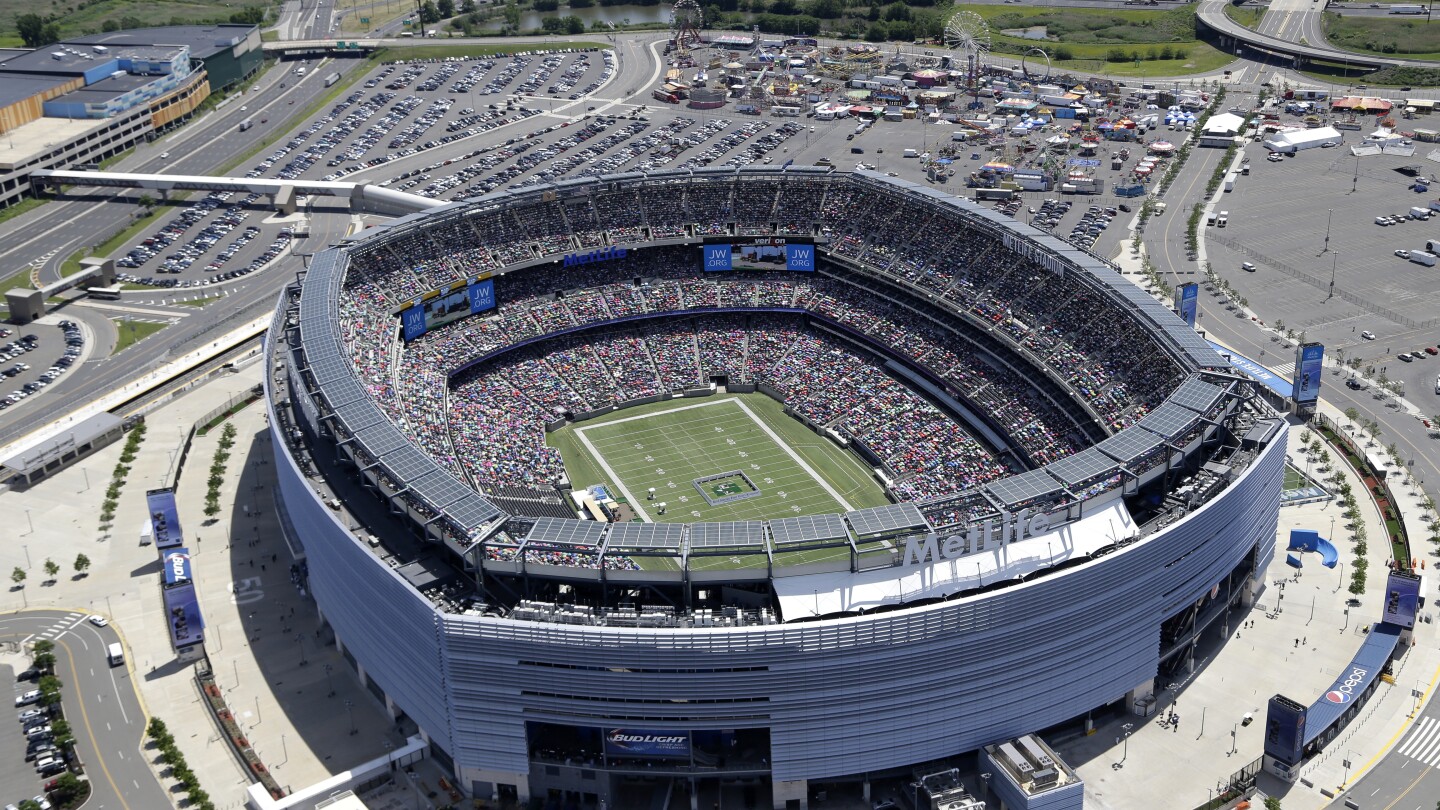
x,y
1257,372
1354,681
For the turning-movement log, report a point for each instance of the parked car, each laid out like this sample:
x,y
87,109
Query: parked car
x,y
33,696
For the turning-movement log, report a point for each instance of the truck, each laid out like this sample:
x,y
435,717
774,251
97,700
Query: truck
x,y
115,654
1406,9
332,79
1432,245
1135,190
1419,212
246,124
1222,220
1230,182
1423,257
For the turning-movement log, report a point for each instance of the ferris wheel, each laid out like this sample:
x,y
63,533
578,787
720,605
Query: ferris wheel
x,y
685,21
968,33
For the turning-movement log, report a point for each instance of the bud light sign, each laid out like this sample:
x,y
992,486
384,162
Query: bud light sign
x,y
176,564
636,742
717,257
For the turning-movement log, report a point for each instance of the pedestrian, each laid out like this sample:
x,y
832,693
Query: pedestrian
x,y
1304,639
262,566
1297,642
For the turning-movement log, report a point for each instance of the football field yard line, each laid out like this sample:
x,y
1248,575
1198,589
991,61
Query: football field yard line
x,y
619,482
794,456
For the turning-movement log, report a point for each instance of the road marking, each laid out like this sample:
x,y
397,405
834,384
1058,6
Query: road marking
x,y
90,732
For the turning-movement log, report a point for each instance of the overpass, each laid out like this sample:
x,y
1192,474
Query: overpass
x,y
1211,14
361,196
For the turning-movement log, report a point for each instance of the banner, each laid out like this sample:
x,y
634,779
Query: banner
x,y
1189,302
1285,730
1402,598
800,258
182,616
440,307
175,566
717,257
164,519
639,742
1309,365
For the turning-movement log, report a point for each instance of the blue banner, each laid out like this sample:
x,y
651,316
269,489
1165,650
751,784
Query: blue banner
x,y
800,258
412,321
482,296
639,742
1255,371
1285,730
717,257
1309,364
182,615
175,566
1402,598
164,519
1189,301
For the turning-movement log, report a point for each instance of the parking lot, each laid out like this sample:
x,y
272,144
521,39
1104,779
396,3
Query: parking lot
x,y
36,357
18,751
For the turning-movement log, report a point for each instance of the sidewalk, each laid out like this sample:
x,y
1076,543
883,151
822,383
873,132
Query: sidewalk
x,y
1294,641
257,636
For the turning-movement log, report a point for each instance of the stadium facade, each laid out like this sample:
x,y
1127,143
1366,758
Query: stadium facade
x,y
530,677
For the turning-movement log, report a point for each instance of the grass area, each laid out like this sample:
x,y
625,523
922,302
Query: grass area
x,y
198,303
117,240
1408,36
132,332
668,445
25,206
1115,42
87,16
1248,16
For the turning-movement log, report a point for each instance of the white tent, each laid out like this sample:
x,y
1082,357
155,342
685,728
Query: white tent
x,y
1294,140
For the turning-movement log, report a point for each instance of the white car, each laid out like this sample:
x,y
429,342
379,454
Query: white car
x,y
1404,254
99,621
1367,334
30,713
1248,267
33,696
1274,157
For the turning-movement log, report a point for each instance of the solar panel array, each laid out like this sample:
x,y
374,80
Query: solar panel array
x,y
736,534
900,517
651,536
564,532
808,529
1027,487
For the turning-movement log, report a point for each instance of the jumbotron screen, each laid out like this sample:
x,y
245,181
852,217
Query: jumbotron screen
x,y
760,254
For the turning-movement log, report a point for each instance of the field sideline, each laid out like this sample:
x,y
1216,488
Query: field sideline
x,y
667,445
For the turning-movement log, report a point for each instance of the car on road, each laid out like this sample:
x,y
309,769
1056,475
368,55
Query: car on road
x,y
164,155
1329,145
33,696
99,621
1367,334
1404,254
1248,267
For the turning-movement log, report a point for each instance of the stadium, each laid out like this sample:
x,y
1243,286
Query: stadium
x,y
754,482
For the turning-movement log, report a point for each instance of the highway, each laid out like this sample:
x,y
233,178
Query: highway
x,y
101,704
1292,25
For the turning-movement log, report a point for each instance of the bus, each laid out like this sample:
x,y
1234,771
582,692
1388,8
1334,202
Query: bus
x,y
111,293
1406,9
115,654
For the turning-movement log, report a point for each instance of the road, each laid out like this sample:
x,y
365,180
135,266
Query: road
x,y
1293,24
100,703
1407,778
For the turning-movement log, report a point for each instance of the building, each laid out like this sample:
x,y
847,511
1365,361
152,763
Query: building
x,y
85,100
1221,130
536,662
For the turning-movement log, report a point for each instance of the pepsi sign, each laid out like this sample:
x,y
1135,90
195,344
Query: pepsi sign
x,y
1344,690
176,564
634,742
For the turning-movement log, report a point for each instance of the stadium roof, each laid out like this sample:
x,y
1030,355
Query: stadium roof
x,y
1025,488
737,534
16,87
567,533
633,536
808,529
878,520
204,40
1085,466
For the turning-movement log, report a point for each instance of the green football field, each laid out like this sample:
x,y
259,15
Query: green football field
x,y
669,445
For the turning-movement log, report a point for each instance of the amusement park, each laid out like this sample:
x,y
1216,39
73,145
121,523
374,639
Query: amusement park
x,y
1020,125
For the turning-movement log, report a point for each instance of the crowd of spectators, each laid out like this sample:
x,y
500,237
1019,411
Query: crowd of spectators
x,y
946,277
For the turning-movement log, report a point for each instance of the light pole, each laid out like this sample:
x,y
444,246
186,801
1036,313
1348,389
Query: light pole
x,y
27,548
350,711
1234,730
328,685
31,521
1328,213
1126,754
257,710
1334,263
300,640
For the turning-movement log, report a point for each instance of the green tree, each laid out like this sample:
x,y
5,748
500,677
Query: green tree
x,y
250,15
35,31
18,576
1272,803
67,788
51,568
512,14
28,804
574,25
545,5
895,12
826,9
82,564
446,8
110,25
429,13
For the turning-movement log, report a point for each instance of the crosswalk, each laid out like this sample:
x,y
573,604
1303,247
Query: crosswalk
x,y
1423,744
59,628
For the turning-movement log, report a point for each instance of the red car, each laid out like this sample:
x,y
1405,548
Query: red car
x,y
1431,350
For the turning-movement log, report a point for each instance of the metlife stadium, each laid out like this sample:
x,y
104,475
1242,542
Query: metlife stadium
x,y
1066,577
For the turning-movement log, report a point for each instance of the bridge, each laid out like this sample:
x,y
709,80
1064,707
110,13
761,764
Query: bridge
x,y
361,196
1211,14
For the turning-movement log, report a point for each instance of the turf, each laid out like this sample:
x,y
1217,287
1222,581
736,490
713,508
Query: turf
x,y
668,445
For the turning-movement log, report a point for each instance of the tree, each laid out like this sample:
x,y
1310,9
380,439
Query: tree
x,y
574,25
446,8
1272,803
18,576
67,788
512,14
51,568
1352,414
35,31
467,7
429,13
110,25
82,564
29,804
546,5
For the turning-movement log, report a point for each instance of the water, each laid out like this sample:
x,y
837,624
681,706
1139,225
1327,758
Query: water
x,y
635,15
